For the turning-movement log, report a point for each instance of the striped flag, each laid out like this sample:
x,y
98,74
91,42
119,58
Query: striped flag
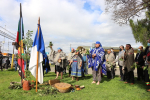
x,y
19,42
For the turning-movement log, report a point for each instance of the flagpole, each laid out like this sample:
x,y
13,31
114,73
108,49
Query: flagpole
x,y
21,47
37,58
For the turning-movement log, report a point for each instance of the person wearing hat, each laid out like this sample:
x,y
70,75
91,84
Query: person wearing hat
x,y
58,57
71,54
76,64
110,58
95,61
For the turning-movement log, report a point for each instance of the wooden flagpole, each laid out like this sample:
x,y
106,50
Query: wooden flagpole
x,y
21,46
37,58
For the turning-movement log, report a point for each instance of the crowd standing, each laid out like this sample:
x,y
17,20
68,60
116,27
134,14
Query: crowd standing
x,y
105,62
100,62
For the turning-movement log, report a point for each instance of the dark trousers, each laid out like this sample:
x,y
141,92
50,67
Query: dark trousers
x,y
110,74
146,76
125,74
69,70
7,65
140,73
65,70
1,66
82,72
55,69
121,73
130,76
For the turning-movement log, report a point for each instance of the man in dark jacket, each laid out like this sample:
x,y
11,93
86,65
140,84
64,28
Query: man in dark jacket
x,y
7,63
147,60
140,62
1,59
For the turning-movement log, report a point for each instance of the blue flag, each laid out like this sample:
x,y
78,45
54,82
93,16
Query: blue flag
x,y
38,46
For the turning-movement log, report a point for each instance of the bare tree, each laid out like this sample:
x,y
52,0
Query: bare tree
x,y
124,10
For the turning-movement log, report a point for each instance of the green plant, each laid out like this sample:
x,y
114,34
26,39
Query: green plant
x,y
121,59
68,67
28,41
27,75
47,90
87,52
50,44
110,64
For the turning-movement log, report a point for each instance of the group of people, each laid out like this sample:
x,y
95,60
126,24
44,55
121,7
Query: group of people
x,y
76,61
102,62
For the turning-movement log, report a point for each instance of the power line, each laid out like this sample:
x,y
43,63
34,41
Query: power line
x,y
8,31
7,35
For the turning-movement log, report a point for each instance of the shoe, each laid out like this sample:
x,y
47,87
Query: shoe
x,y
148,90
132,84
125,82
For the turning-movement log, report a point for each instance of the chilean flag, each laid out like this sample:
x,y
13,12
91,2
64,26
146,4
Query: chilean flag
x,y
38,45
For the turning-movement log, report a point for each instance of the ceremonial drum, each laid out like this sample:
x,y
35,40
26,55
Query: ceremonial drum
x,y
63,87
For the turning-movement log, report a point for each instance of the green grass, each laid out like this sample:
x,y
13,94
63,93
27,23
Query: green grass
x,y
107,90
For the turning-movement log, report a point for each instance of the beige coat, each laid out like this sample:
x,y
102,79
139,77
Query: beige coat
x,y
120,56
54,56
129,59
70,56
111,58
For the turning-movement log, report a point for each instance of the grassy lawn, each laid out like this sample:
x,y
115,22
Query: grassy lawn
x,y
107,90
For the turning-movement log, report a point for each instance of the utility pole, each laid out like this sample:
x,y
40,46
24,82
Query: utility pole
x,y
8,45
0,45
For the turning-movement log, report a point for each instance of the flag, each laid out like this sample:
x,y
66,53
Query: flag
x,y
38,45
19,45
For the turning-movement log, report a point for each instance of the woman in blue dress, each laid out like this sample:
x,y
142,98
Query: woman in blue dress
x,y
76,64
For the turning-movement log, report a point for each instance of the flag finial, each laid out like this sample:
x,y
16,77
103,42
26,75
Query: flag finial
x,y
39,21
20,11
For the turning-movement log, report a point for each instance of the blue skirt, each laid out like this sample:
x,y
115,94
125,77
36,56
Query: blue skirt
x,y
74,70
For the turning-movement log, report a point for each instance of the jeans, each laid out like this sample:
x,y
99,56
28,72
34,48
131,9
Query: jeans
x,y
15,67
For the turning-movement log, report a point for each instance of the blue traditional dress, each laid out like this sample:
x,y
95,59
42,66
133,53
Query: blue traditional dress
x,y
99,60
76,69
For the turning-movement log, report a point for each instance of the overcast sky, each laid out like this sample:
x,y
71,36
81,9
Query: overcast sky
x,y
65,22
